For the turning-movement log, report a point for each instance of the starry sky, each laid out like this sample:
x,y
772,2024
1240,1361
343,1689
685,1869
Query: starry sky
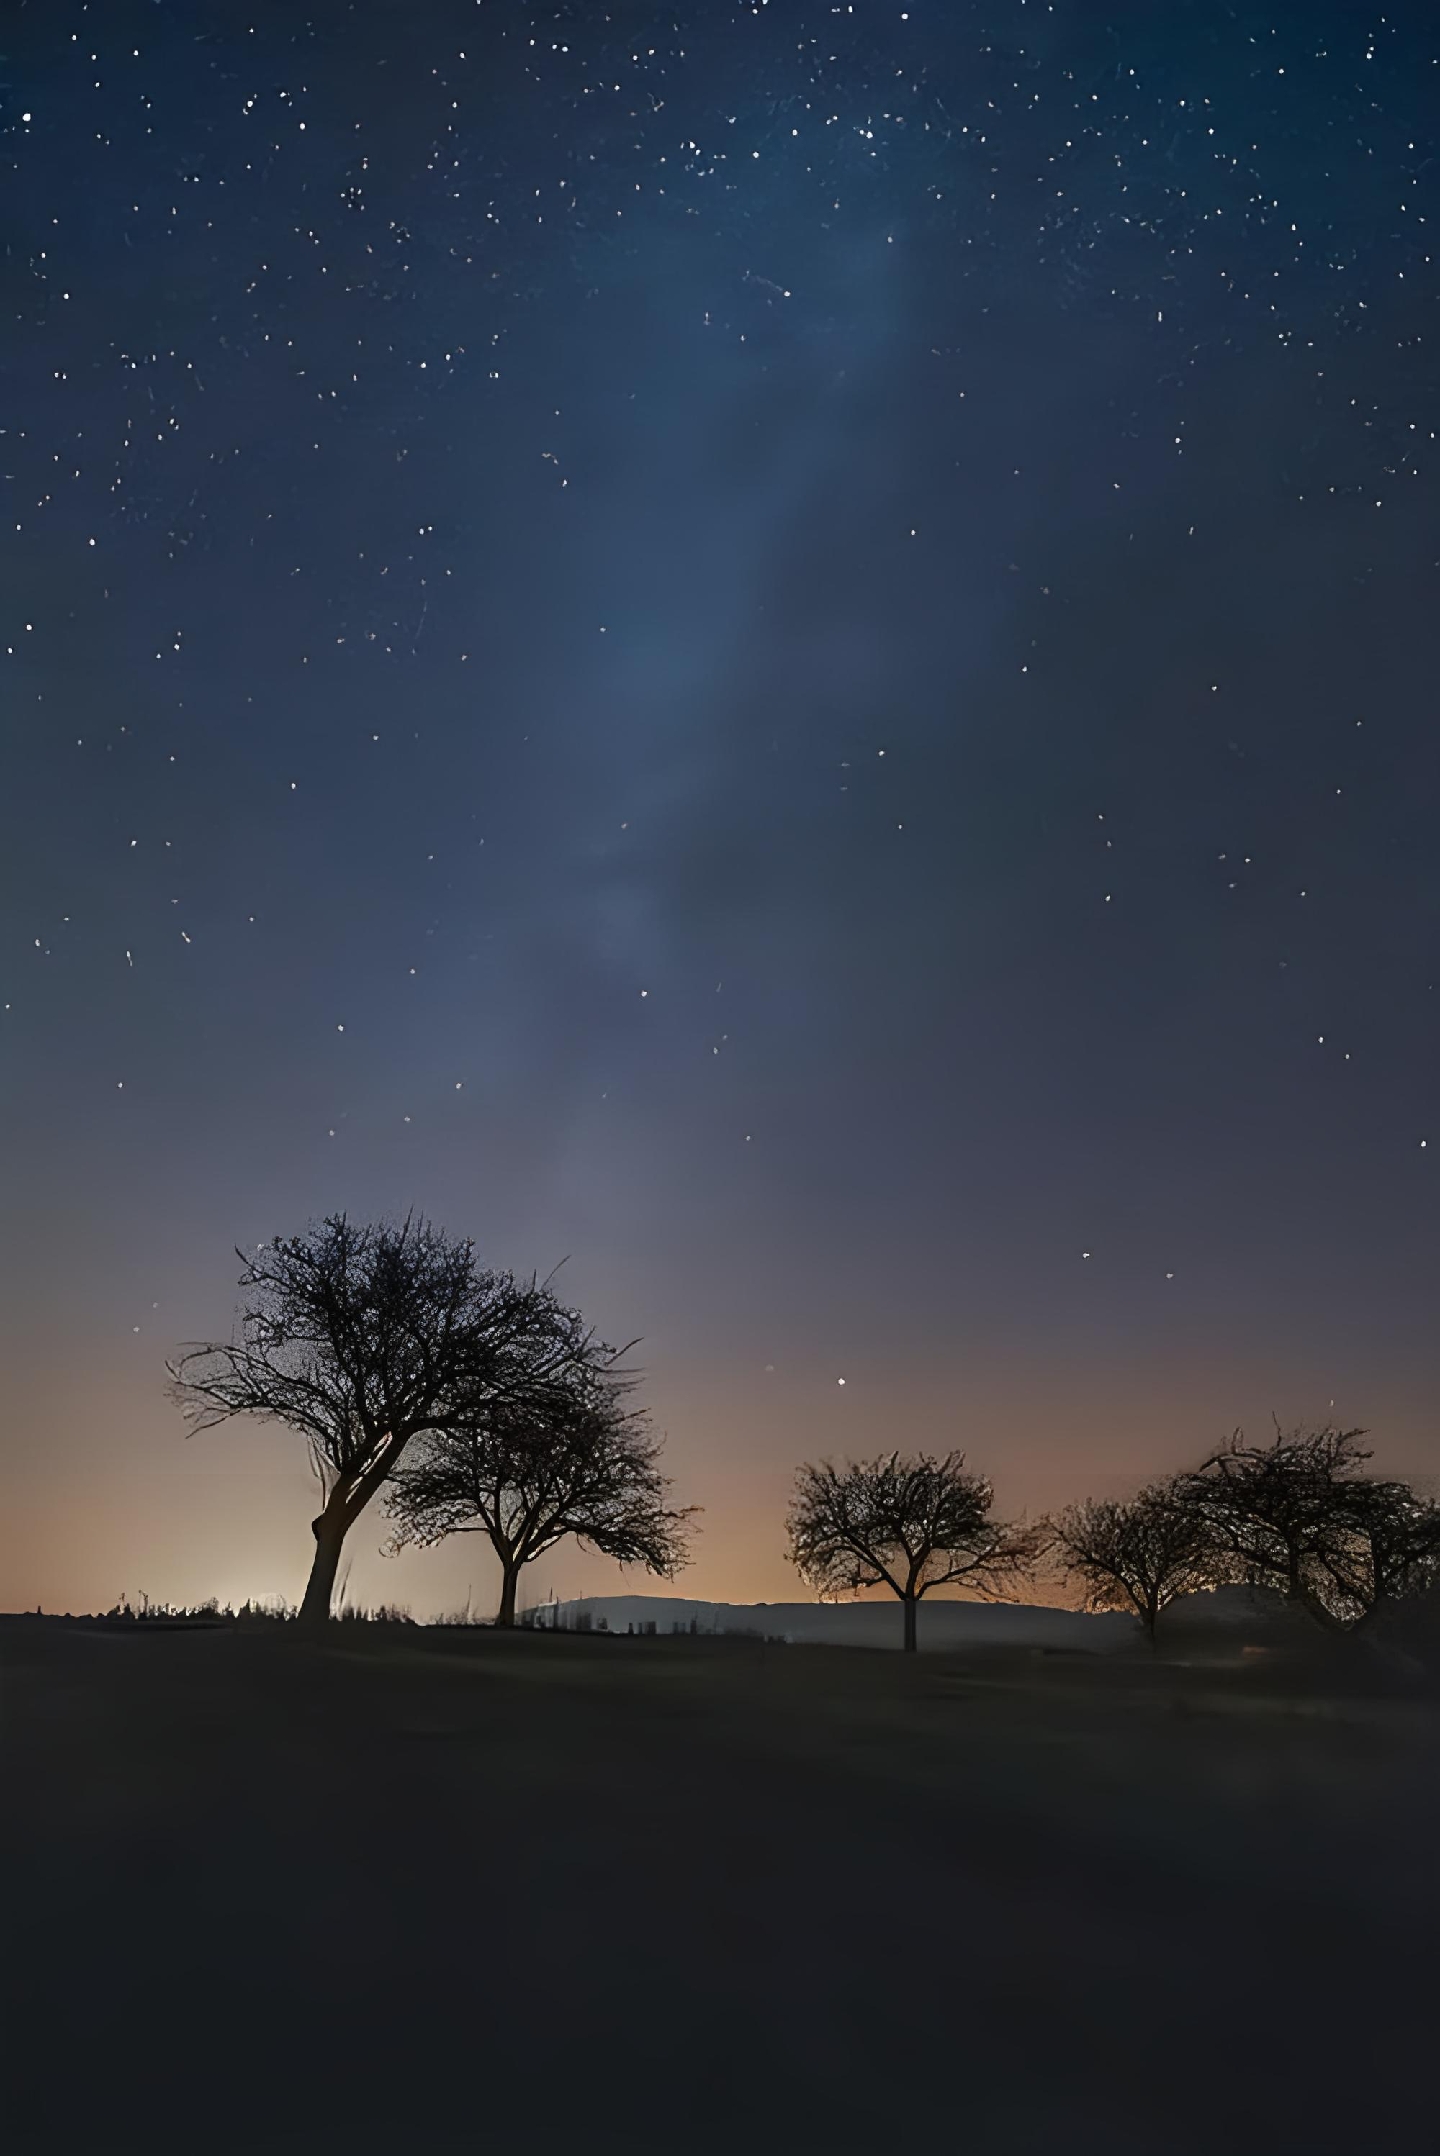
x,y
785,651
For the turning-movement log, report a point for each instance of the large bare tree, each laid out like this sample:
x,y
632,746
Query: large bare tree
x,y
1136,1554
364,1337
911,1524
1272,1511
528,1470
1302,1515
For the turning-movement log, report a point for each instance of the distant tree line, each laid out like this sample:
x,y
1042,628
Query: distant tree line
x,y
1301,1515
471,1401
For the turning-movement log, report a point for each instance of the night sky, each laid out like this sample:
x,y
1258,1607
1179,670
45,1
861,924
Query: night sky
x,y
787,651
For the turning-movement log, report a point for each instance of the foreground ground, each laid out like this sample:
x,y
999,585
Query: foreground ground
x,y
426,1893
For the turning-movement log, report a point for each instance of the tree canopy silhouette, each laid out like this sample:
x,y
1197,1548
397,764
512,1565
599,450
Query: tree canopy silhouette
x,y
363,1337
1136,1554
1300,1514
911,1524
528,1470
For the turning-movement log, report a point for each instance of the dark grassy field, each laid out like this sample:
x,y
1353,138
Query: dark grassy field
x,y
427,1891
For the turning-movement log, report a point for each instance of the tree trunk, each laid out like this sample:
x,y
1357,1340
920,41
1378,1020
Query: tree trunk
x,y
329,1533
509,1581
910,1604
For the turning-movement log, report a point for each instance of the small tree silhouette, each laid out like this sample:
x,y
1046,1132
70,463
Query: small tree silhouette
x,y
529,1470
911,1524
1137,1554
364,1337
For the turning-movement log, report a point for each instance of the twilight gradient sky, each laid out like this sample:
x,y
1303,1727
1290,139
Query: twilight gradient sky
x,y
789,649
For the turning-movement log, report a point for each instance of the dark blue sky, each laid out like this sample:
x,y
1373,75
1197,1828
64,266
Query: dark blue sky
x,y
790,650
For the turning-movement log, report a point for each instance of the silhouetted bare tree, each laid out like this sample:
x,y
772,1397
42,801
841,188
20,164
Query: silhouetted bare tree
x,y
907,1523
1279,1515
1301,1514
1391,1552
528,1471
1133,1554
363,1337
